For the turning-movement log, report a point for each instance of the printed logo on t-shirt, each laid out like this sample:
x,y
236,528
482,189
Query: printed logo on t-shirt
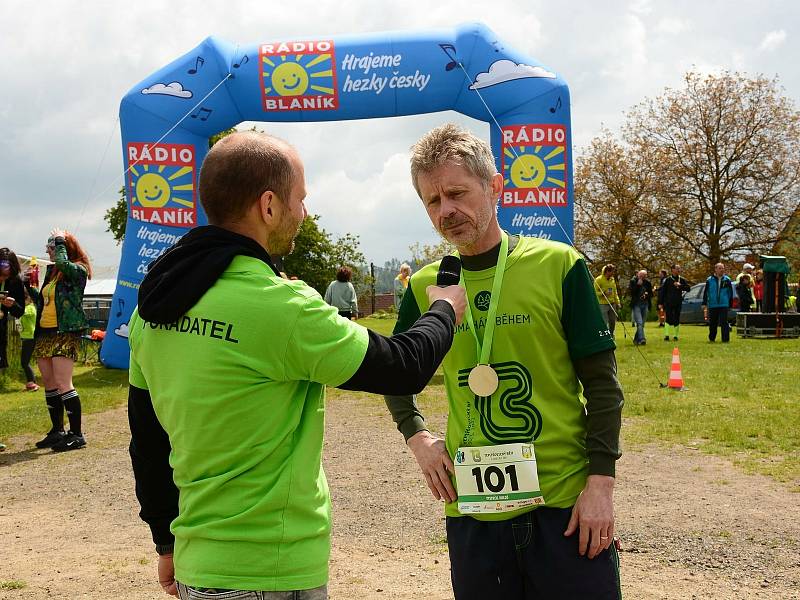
x,y
511,401
482,300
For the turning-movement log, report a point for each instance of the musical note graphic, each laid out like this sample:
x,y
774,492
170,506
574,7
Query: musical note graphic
x,y
202,114
446,48
198,64
121,305
244,60
557,106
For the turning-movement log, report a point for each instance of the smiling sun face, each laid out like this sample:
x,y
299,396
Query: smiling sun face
x,y
527,171
152,190
528,167
290,79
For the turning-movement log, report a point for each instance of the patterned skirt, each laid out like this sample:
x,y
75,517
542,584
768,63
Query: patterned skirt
x,y
50,343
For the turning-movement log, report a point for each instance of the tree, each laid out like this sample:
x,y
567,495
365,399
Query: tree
x,y
724,152
423,254
317,256
116,217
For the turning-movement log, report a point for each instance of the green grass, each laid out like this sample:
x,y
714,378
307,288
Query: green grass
x,y
25,412
741,402
12,584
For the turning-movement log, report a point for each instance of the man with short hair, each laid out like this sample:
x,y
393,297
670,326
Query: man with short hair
x,y
670,299
228,369
531,512
717,299
641,291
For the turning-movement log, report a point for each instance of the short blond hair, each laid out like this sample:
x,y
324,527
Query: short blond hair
x,y
451,143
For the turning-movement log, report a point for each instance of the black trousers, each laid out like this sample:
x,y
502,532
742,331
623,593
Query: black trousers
x,y
25,359
673,313
718,317
527,558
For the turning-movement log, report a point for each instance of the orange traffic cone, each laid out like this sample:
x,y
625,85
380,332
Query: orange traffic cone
x,y
675,377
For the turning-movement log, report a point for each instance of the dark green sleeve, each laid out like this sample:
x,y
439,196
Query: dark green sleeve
x,y
604,399
581,318
409,312
404,409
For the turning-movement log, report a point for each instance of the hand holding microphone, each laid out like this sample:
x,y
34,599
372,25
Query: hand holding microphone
x,y
447,287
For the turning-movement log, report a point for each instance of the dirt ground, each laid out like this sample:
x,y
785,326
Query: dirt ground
x,y
692,526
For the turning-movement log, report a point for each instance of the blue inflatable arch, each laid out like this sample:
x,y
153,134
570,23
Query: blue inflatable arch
x,y
167,120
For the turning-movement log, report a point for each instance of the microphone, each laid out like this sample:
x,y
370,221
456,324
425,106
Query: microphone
x,y
449,271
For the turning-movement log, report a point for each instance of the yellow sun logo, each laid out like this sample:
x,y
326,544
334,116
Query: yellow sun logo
x,y
299,76
534,167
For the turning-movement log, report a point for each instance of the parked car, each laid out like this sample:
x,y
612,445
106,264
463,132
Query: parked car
x,y
692,307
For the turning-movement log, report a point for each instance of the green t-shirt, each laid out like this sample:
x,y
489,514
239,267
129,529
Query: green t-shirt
x,y
547,317
28,322
238,385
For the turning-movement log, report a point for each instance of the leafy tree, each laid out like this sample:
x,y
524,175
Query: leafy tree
x,y
703,173
725,155
317,256
116,217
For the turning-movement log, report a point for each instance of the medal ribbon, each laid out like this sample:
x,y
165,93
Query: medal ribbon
x,y
485,349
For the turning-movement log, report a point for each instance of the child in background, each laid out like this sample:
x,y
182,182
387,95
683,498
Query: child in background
x,y
28,322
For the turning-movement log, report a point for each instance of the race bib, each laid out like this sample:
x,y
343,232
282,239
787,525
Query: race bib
x,y
493,479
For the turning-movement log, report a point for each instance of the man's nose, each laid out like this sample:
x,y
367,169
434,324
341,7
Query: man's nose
x,y
447,207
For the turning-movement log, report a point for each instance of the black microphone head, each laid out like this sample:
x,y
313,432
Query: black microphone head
x,y
449,271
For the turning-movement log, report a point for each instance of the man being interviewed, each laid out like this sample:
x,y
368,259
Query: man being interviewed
x,y
228,369
534,403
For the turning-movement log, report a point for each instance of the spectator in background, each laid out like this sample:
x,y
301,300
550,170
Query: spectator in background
x,y
605,287
662,315
12,298
744,292
670,300
717,299
342,295
60,323
758,290
28,322
747,269
401,284
641,292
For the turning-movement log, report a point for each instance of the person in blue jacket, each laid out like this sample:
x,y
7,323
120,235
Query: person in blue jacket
x,y
717,299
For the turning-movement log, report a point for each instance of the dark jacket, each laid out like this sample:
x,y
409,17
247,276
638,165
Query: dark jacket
x,y
745,297
14,287
69,292
640,294
718,293
669,294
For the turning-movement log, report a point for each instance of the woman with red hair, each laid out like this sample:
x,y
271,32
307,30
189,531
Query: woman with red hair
x,y
59,325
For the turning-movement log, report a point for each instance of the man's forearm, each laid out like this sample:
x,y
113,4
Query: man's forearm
x,y
406,415
604,400
404,363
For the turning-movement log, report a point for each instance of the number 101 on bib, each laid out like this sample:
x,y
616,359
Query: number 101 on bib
x,y
494,479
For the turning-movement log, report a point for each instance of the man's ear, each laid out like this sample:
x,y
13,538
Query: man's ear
x,y
497,185
266,206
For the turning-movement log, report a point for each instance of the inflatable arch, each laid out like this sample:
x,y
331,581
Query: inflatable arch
x,y
167,119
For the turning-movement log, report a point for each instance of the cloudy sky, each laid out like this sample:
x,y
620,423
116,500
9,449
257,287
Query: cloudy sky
x,y
65,65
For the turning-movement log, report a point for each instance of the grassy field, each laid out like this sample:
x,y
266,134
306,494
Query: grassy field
x,y
741,401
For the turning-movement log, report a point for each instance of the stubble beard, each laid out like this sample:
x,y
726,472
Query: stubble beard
x,y
476,231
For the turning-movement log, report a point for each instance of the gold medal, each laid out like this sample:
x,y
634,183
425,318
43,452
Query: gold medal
x,y
483,380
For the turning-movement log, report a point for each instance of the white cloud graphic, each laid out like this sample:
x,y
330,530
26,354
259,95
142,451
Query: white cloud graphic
x,y
122,330
171,89
504,70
